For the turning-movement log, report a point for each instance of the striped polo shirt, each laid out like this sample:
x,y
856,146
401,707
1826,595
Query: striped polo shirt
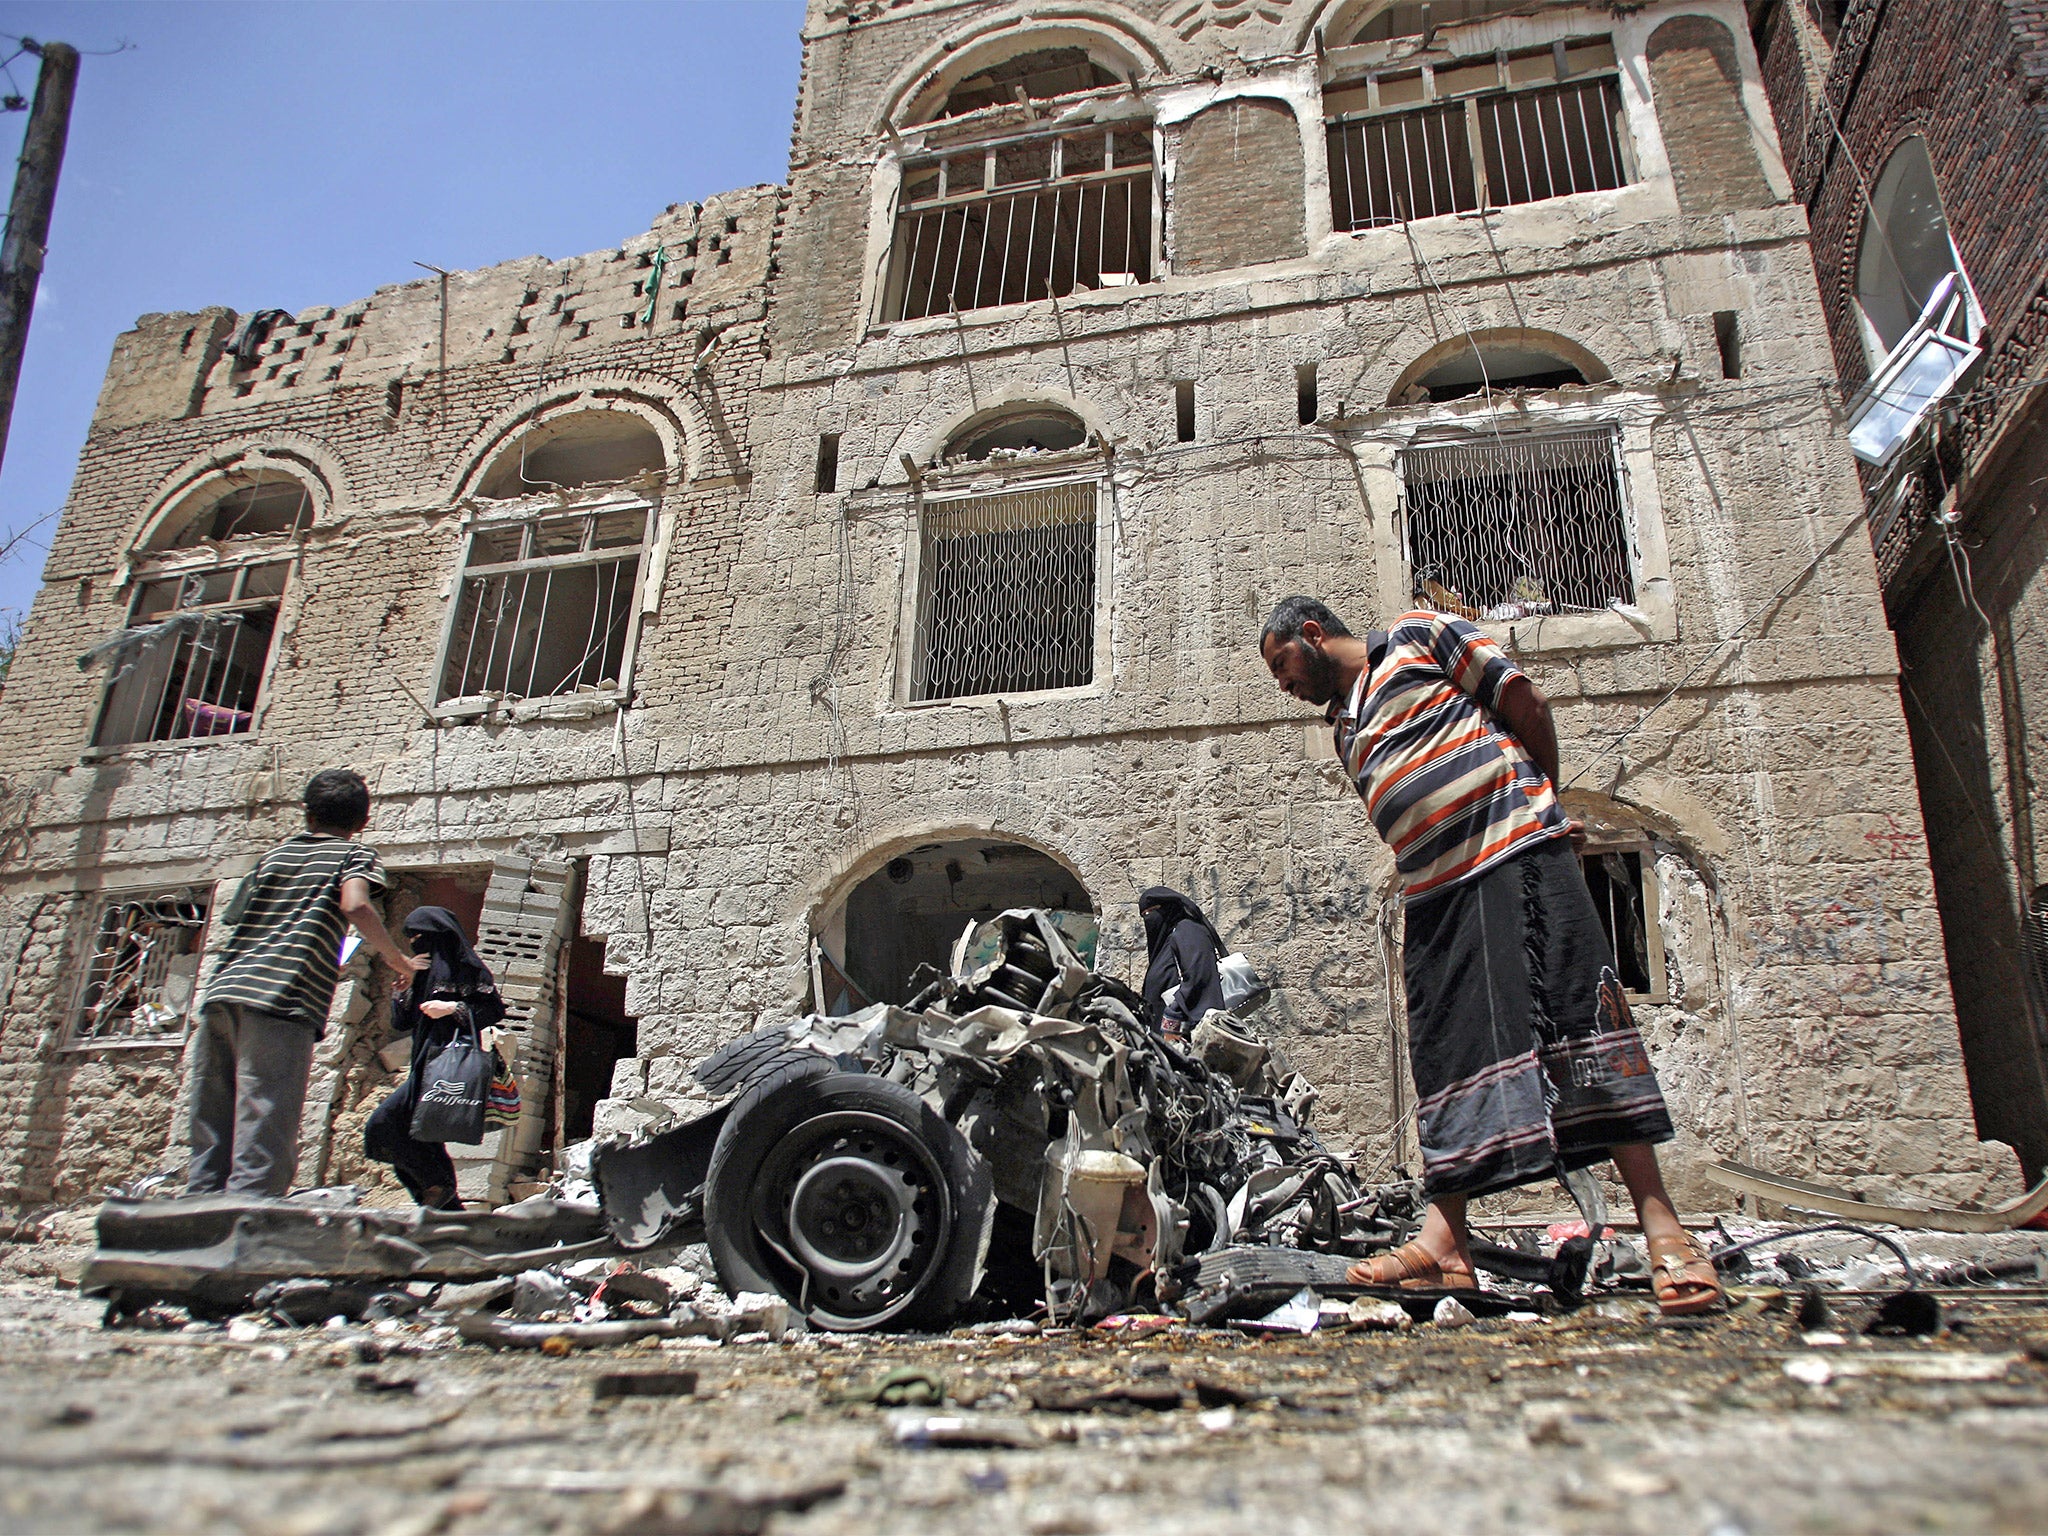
x,y
1452,792
283,953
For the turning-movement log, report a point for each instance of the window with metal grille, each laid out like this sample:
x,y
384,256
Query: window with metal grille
x,y
143,970
1006,592
1023,219
1514,525
548,605
1517,128
192,660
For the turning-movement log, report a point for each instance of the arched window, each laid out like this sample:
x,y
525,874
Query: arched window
x,y
550,600
1041,75
1040,429
1906,254
1012,209
1918,316
585,448
1407,19
194,656
1491,368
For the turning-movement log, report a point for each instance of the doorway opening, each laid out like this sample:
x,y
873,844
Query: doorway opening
x,y
597,1032
909,913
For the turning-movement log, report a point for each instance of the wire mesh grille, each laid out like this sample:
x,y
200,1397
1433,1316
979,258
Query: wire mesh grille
x,y
1006,593
1503,528
552,612
144,968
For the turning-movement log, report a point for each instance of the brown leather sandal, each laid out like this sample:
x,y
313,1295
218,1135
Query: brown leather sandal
x,y
1413,1268
1683,1277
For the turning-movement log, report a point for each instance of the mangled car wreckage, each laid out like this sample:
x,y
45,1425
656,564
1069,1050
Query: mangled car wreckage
x,y
1019,1132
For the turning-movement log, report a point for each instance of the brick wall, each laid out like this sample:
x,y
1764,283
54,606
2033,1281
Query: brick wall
x,y
1237,189
1696,80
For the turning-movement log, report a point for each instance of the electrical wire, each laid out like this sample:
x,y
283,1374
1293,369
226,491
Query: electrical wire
x,y
1898,1249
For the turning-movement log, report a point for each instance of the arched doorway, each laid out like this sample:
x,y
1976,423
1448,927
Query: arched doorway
x,y
910,911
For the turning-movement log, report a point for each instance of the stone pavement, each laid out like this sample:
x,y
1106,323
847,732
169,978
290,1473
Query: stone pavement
x,y
1606,1420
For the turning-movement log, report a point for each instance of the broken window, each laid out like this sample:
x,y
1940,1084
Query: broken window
x,y
1040,75
260,509
1006,592
1480,368
1023,219
192,661
1510,526
143,970
1450,138
548,604
1623,883
1408,19
1919,318
1033,430
584,448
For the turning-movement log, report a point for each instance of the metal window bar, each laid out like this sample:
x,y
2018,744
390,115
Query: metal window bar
x,y
1507,147
143,972
542,627
198,678
976,248
1508,527
1006,592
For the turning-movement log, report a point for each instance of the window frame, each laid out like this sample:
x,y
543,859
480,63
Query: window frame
x,y
1650,889
465,707
182,566
940,148
979,478
90,940
1351,79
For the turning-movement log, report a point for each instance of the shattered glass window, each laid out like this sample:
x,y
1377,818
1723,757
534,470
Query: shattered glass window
x,y
143,971
192,660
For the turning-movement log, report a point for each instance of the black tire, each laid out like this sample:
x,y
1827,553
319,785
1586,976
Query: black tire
x,y
849,1196
735,1067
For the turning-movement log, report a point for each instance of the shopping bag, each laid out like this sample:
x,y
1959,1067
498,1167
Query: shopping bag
x,y
454,1086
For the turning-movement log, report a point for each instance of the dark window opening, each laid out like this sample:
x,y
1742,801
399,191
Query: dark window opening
x,y
143,971
828,462
1305,394
1728,338
1184,412
588,448
1044,430
1036,76
1615,877
265,508
913,911
1488,369
598,1033
1415,19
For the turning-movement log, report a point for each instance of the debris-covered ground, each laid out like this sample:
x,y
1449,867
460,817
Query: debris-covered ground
x,y
1784,1416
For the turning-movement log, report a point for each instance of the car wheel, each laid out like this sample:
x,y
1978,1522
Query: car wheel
x,y
848,1195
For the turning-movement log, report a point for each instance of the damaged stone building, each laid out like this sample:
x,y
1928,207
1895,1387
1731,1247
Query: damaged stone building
x,y
722,620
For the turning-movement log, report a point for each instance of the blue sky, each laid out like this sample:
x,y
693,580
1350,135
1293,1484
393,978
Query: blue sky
x,y
291,152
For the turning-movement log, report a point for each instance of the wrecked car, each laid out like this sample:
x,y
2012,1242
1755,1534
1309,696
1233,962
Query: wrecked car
x,y
1018,1133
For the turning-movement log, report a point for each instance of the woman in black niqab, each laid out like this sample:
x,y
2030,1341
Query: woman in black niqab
x,y
454,994
1182,949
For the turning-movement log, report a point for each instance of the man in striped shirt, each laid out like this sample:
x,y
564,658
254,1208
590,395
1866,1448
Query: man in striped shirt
x,y
1526,1061
266,1003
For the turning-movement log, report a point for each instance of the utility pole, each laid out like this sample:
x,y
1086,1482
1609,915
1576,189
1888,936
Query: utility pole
x,y
28,216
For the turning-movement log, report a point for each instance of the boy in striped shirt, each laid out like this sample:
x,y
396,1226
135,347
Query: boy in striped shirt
x,y
265,1006
1526,1061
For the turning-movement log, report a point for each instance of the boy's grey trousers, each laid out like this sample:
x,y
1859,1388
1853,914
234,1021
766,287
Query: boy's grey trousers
x,y
249,1071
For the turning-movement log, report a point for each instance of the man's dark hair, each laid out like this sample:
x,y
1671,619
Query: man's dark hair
x,y
1293,612
337,797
